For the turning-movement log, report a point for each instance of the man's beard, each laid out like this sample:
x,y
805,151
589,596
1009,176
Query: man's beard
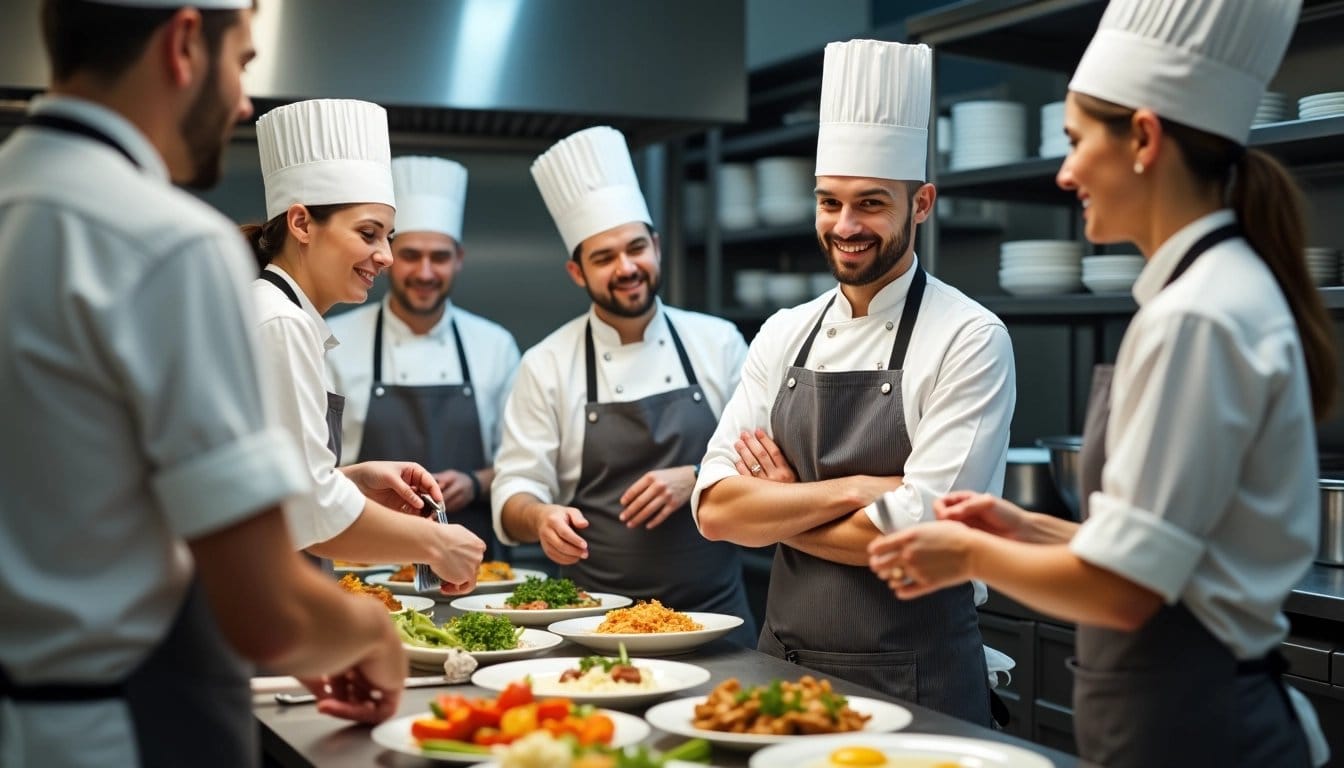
x,y
610,303
888,254
402,297
206,129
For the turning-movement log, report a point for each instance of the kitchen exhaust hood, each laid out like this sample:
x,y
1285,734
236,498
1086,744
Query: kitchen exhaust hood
x,y
479,73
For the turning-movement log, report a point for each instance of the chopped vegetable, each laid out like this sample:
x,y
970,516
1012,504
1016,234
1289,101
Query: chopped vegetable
x,y
556,593
470,632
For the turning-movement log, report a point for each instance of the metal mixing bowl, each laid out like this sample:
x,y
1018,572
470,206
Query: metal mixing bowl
x,y
1064,467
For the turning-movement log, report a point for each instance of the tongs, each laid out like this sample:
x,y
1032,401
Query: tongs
x,y
425,578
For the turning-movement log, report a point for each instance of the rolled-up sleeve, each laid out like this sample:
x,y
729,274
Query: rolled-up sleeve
x,y
1182,413
529,449
961,439
194,391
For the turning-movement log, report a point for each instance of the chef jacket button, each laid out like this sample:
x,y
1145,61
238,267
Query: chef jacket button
x,y
466,391
696,396
667,379
619,389
662,342
606,356
881,365
821,367
890,325
791,382
403,377
886,387
378,391
830,333
592,417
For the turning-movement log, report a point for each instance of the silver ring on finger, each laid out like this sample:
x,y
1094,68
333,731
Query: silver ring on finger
x,y
755,468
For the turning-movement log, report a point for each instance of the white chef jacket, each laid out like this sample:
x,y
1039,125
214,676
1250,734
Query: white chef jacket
x,y
411,359
294,378
133,418
958,387
1209,494
542,449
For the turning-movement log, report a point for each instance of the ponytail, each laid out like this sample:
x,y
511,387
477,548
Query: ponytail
x,y
266,239
1269,208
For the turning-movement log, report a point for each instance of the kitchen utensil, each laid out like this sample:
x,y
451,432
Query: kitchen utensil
x,y
1064,467
1028,484
1330,550
425,578
426,681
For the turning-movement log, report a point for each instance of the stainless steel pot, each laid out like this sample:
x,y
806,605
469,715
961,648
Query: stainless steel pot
x,y
1330,551
1064,468
1027,482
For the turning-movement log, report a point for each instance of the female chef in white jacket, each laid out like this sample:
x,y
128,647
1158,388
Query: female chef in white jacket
x,y
326,165
1203,516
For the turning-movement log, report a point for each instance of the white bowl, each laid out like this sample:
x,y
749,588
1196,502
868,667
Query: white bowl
x,y
737,215
737,183
1098,284
584,632
786,289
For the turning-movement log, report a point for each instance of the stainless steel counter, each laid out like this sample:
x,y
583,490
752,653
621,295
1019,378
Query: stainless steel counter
x,y
1319,595
298,737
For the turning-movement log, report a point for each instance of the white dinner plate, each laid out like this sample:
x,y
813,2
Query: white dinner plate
x,y
415,603
815,751
363,570
494,604
676,716
668,676
532,642
396,736
584,632
482,587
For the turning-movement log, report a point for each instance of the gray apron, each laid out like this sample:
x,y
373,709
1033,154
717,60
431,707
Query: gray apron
x,y
436,425
191,689
335,407
1170,693
673,562
842,620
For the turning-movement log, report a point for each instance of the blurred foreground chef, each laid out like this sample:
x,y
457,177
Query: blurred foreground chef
x,y
425,380
326,165
610,414
142,545
1199,465
895,380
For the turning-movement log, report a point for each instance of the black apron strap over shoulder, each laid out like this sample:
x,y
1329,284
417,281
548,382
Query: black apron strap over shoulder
x,y
899,346
78,128
378,350
279,282
590,358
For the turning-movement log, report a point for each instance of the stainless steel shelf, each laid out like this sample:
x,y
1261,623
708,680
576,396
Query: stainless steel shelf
x,y
800,139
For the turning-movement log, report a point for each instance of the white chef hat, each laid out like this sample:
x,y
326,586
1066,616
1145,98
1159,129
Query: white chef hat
x,y
1202,63
204,5
875,110
325,152
431,195
589,184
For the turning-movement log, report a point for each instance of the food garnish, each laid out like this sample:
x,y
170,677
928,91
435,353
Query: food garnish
x,y
470,632
537,594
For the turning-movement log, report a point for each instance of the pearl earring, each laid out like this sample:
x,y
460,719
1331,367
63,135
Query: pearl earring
x,y
1138,168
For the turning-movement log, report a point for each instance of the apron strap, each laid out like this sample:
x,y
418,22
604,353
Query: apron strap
x,y
902,342
908,315
58,692
1226,232
78,128
279,282
378,350
590,358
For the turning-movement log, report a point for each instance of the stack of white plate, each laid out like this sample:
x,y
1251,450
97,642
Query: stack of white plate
x,y
1323,265
1273,107
986,133
749,287
1111,274
737,196
1040,267
784,189
1053,141
1321,105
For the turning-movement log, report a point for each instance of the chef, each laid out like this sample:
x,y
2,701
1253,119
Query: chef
x,y
1199,464
894,383
142,546
610,414
425,380
326,168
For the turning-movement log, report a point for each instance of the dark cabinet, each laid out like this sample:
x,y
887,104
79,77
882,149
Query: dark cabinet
x,y
1039,697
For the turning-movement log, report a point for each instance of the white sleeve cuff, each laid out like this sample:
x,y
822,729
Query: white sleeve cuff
x,y
906,505
1137,545
231,482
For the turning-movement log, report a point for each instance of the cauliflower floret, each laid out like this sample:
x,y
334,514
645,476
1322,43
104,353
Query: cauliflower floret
x,y
459,665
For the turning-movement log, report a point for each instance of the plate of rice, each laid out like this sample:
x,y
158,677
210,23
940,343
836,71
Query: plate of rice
x,y
647,628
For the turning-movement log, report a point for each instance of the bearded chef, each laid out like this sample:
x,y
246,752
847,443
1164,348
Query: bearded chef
x,y
893,381
424,379
610,414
